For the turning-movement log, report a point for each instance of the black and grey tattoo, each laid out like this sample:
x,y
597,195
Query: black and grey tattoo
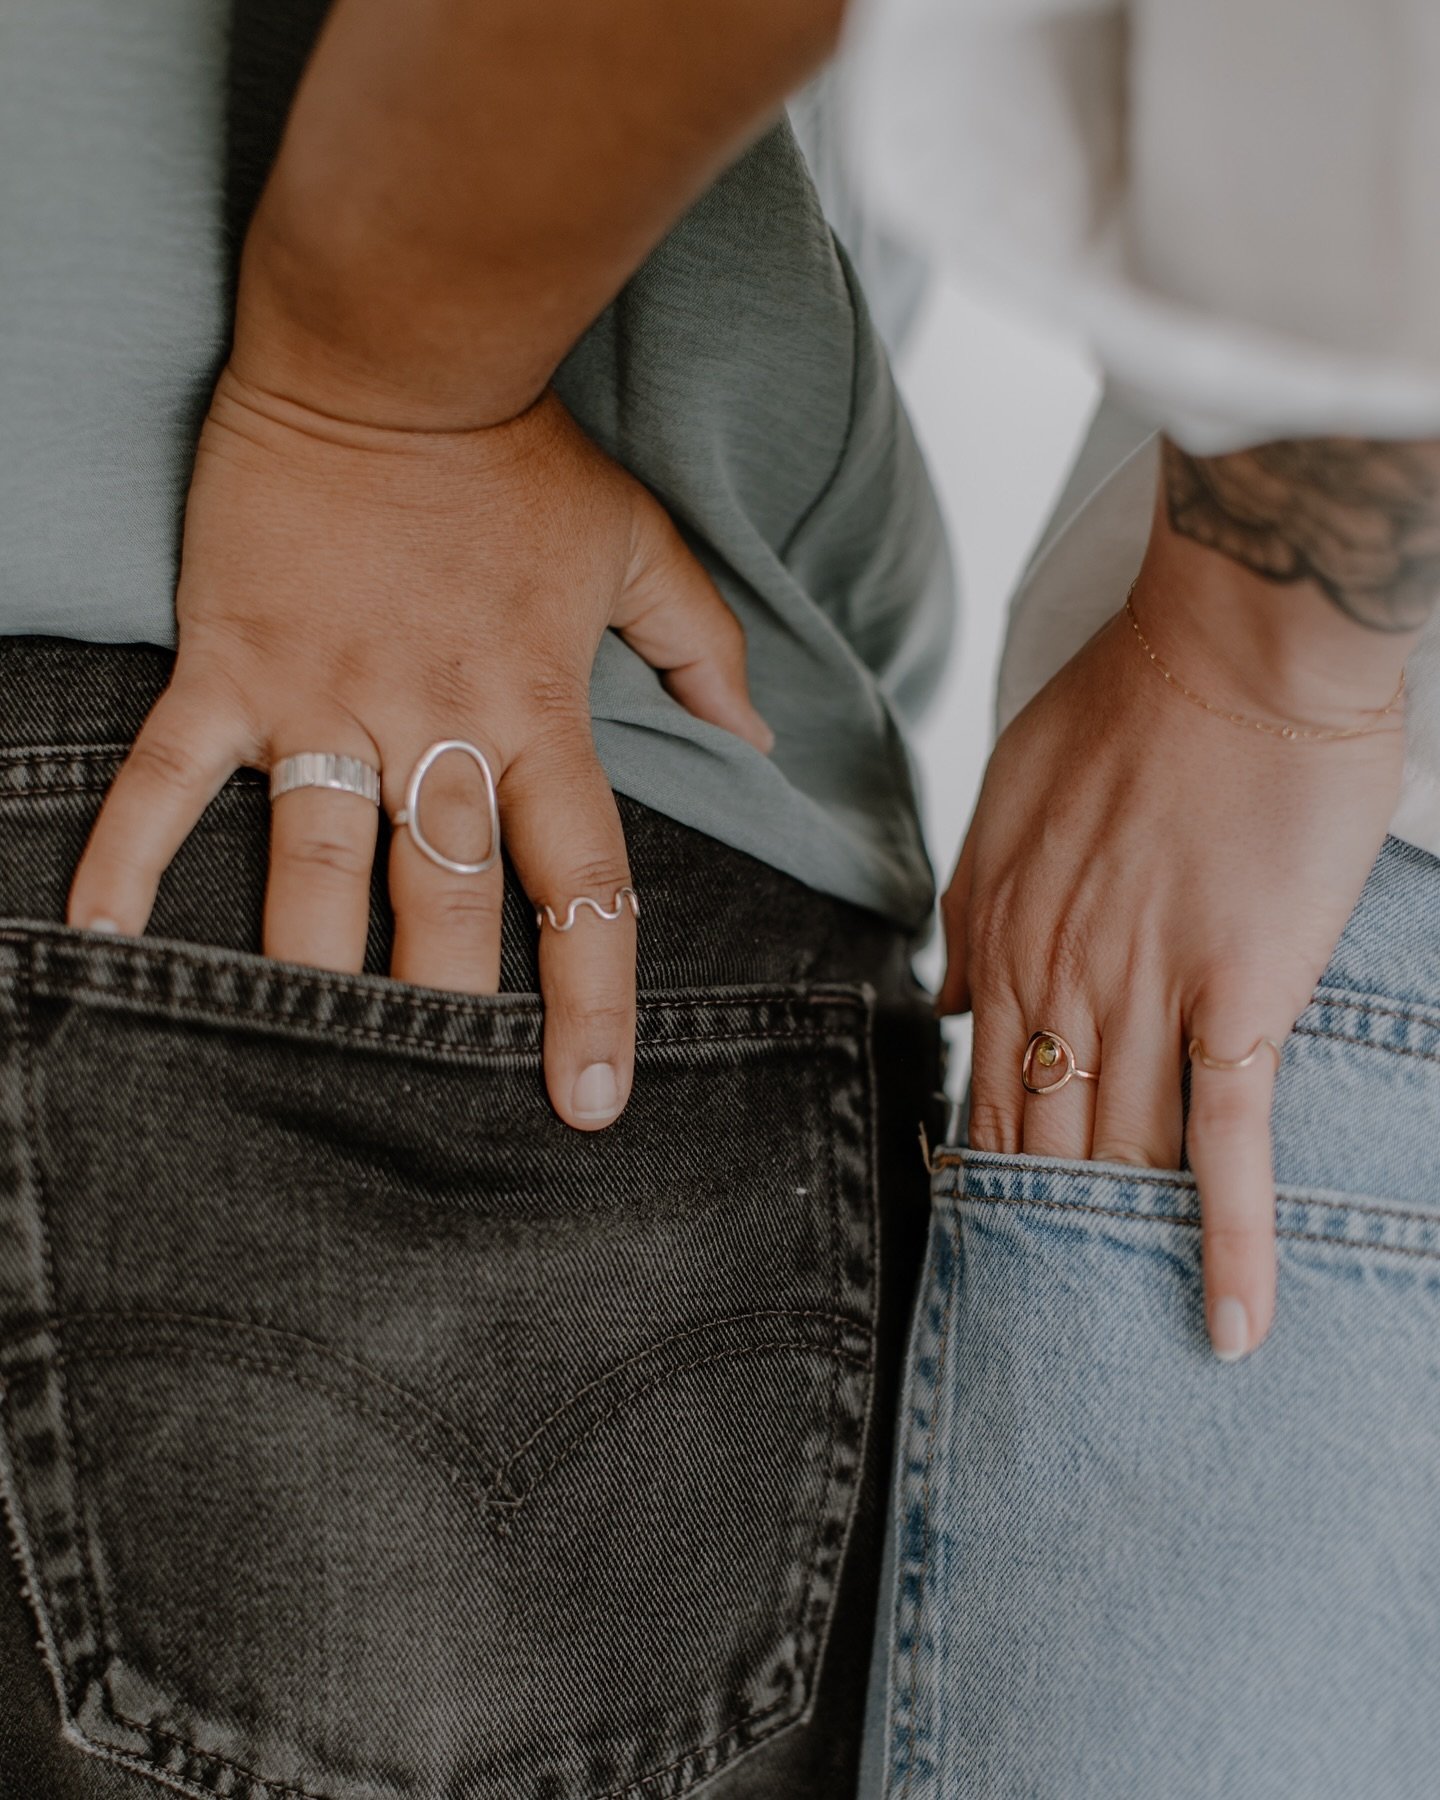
x,y
1360,519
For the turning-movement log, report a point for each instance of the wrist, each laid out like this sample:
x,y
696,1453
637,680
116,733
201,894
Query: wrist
x,y
324,319
1274,650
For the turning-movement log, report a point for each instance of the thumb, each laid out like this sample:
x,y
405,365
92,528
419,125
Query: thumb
x,y
671,613
954,994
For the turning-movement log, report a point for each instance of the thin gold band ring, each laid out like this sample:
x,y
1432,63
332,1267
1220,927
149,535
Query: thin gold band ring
x,y
1048,1050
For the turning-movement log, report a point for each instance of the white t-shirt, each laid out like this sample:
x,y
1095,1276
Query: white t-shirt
x,y
1237,203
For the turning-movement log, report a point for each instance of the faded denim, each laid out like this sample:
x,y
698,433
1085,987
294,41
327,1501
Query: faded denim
x,y
1124,1571
368,1435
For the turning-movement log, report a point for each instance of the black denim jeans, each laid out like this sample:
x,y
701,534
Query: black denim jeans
x,y
368,1435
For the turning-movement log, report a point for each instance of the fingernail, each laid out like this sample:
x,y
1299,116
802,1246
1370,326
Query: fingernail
x,y
596,1094
1229,1330
108,926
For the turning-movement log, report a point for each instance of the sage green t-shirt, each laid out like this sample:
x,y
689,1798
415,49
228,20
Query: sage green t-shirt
x,y
738,375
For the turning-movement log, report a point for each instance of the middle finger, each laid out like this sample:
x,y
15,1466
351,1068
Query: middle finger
x,y
447,924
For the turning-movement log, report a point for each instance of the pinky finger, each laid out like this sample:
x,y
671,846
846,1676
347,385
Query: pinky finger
x,y
184,754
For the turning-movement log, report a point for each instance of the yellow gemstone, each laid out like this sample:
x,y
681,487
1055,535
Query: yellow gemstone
x,y
1048,1053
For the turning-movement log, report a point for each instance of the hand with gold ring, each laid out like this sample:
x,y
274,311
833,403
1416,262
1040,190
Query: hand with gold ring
x,y
1148,887
407,619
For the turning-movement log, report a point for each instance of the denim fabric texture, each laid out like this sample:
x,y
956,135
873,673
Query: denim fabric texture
x,y
1123,1570
367,1434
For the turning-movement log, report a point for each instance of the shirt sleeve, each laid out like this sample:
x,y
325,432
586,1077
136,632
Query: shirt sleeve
x,y
1236,203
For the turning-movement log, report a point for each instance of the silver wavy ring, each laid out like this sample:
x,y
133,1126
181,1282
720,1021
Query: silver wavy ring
x,y
321,769
408,817
1048,1050
625,896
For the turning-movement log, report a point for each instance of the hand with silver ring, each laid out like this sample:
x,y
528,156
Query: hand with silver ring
x,y
407,620
1150,891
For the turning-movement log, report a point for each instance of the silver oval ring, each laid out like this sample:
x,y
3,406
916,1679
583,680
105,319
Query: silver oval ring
x,y
408,817
625,896
1048,1049
323,769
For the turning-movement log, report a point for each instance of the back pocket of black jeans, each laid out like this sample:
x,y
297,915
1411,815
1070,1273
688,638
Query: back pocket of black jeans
x,y
369,1436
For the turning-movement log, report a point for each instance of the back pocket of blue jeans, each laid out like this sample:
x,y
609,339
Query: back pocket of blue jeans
x,y
1126,1568
370,1436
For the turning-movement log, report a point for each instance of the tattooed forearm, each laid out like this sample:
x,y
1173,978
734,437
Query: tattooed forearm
x,y
1360,519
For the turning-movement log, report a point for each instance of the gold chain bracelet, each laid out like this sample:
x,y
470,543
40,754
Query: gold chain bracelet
x,y
1312,734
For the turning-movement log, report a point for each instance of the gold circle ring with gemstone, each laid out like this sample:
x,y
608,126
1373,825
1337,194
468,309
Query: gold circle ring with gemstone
x,y
1048,1050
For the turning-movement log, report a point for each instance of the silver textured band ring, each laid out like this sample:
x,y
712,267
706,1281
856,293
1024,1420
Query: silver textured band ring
x,y
625,896
408,817
1048,1050
321,769
1197,1052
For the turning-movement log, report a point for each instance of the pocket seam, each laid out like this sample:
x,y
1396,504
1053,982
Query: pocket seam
x,y
1021,1202
511,1021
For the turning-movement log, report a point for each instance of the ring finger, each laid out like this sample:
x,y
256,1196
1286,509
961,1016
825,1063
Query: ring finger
x,y
1064,1059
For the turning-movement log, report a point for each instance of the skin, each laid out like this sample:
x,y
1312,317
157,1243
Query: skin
x,y
395,535
1140,871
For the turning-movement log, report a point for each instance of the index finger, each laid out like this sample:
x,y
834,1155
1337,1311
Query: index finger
x,y
1232,1084
187,749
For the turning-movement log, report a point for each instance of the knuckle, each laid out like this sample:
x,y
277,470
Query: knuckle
x,y
606,1021
1238,1241
1070,953
599,878
330,856
556,696
726,633
1222,1110
1129,1149
993,1127
167,761
986,934
458,909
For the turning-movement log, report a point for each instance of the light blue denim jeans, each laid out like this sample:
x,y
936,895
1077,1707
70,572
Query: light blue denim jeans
x,y
1121,1569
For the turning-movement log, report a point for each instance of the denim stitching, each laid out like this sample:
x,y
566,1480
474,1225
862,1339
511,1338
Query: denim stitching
x,y
1338,998
223,962
513,1503
526,1053
649,1781
416,1041
1112,1212
284,1789
941,1355
95,1617
208,1353
179,1352
39,755
1142,1177
1362,1043
795,1034
59,1321
803,1630
677,1337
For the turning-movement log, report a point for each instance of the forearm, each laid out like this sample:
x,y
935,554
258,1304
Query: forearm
x,y
1358,520
1274,599
464,184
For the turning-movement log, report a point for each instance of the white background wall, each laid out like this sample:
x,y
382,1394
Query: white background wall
x,y
999,405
